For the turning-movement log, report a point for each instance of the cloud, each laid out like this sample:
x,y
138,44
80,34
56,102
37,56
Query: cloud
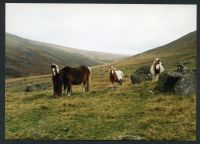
x,y
116,28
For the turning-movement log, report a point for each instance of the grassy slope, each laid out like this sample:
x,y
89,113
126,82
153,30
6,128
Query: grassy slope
x,y
23,56
126,112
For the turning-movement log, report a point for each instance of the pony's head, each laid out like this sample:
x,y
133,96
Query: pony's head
x,y
54,69
112,69
157,61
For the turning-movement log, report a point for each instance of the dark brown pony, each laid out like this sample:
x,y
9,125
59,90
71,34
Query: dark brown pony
x,y
57,81
75,76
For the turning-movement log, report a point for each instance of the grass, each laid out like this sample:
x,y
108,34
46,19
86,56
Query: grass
x,y
127,112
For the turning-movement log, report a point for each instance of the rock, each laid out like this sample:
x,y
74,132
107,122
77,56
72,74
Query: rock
x,y
181,68
29,88
180,82
129,137
141,74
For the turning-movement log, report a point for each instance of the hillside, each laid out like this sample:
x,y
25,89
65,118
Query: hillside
x,y
182,50
127,112
26,57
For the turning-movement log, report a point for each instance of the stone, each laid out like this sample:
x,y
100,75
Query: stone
x,y
181,68
141,74
181,82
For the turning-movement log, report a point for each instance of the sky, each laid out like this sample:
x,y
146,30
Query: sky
x,y
114,28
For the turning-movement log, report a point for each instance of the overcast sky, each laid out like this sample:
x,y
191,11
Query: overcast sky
x,y
114,28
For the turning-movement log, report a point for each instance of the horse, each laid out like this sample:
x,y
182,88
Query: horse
x,y
115,75
156,69
57,81
75,76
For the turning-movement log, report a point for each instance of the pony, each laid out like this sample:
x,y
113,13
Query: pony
x,y
57,81
75,76
115,75
156,69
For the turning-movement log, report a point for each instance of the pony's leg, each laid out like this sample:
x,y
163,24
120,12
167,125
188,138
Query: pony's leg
x,y
112,84
84,88
65,90
54,94
120,82
156,78
69,89
87,85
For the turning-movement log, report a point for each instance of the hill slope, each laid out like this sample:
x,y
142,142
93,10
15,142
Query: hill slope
x,y
182,50
26,57
126,112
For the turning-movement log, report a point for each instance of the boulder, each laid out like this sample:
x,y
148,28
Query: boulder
x,y
181,68
141,74
180,82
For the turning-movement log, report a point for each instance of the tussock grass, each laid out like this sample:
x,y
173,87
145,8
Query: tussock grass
x,y
127,112
123,112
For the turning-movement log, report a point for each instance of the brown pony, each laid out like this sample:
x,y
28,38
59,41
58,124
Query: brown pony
x,y
115,75
57,81
75,76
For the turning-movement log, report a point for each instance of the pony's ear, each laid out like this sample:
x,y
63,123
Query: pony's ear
x,y
57,68
154,62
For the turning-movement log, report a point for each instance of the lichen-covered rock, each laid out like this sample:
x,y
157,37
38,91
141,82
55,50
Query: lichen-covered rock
x,y
141,74
181,68
178,82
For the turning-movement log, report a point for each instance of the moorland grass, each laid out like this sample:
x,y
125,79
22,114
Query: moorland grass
x,y
127,112
105,113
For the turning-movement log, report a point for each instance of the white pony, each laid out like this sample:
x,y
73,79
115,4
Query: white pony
x,y
156,69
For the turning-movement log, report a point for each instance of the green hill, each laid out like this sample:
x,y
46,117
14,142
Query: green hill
x,y
182,50
25,57
127,112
